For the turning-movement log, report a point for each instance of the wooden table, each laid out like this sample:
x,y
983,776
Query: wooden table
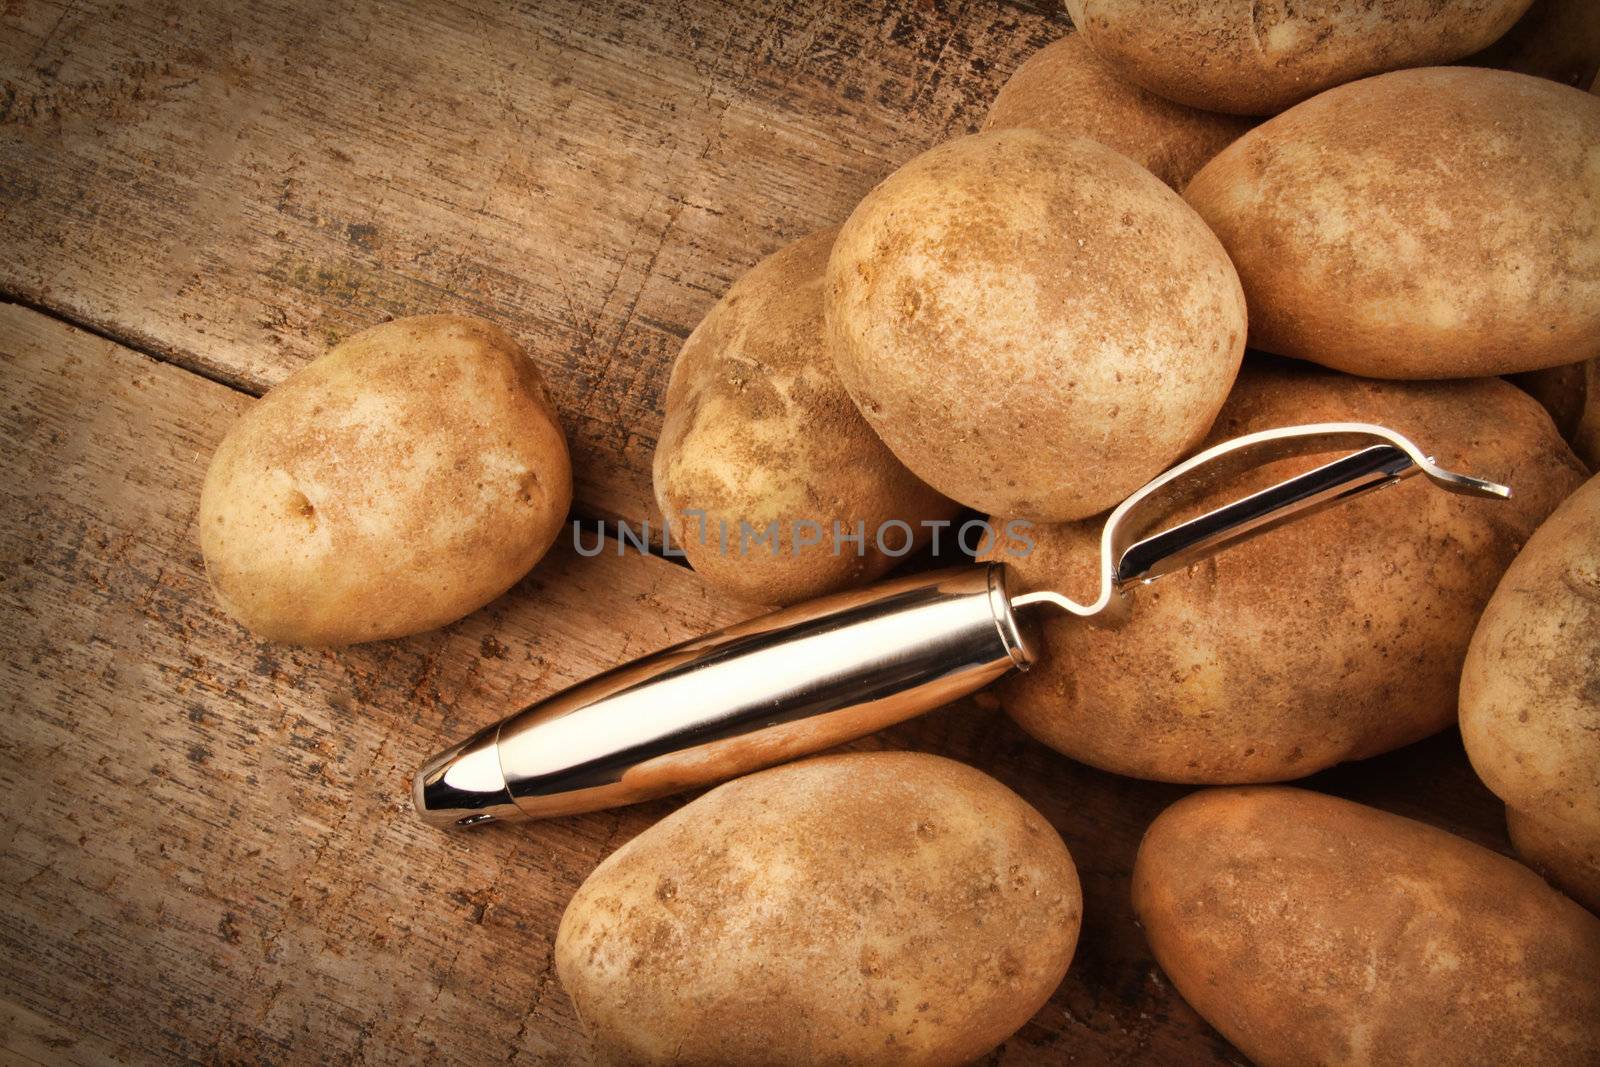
x,y
207,849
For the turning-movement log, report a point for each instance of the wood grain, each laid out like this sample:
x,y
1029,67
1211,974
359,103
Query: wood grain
x,y
207,852
207,847
236,186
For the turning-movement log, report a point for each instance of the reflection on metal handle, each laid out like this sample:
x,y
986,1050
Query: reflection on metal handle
x,y
780,686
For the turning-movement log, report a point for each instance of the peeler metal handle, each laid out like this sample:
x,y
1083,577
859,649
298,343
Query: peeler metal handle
x,y
780,686
821,673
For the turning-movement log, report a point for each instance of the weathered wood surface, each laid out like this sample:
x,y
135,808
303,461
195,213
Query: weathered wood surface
x,y
233,186
206,851
206,841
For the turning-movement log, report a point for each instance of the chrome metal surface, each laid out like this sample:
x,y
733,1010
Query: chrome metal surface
x,y
1385,457
792,682
1205,535
817,674
464,786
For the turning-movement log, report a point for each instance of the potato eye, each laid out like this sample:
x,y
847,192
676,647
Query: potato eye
x,y
300,505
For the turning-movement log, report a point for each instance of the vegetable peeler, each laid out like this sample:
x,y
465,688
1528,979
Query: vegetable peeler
x,y
817,674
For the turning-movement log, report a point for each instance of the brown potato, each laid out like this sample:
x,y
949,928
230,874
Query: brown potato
x,y
1586,434
1555,39
1569,858
1035,325
1530,690
876,908
1312,930
1065,88
760,431
1335,638
401,481
1250,57
1440,223
1571,394
1560,390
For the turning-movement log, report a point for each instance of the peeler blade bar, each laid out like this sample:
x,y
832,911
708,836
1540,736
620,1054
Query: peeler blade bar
x,y
1305,494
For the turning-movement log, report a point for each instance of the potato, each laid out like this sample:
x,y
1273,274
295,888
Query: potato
x,y
875,908
1571,394
1250,57
1568,858
406,478
1530,690
1034,324
1312,930
1561,392
1335,638
759,431
1066,89
1440,223
1585,436
1556,39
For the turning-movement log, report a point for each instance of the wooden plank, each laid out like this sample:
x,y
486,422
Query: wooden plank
x,y
207,845
208,853
235,186
26,1038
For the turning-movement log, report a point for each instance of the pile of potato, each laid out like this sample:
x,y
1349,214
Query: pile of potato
x,y
1030,322
1033,324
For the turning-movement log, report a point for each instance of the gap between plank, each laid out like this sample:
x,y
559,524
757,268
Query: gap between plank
x,y
133,344
607,525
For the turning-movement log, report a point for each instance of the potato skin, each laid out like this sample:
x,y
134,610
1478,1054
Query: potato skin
x,y
1571,394
759,429
1555,39
1586,435
1250,57
1439,223
1334,638
1066,89
873,908
1035,325
1312,930
404,479
1530,689
1567,856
